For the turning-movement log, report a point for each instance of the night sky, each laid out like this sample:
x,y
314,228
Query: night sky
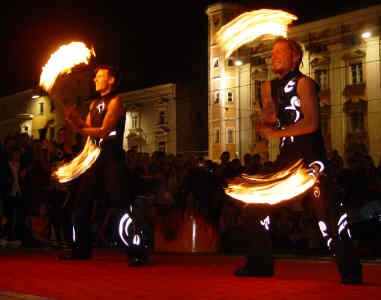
x,y
153,42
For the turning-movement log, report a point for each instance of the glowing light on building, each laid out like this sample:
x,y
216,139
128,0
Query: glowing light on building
x,y
252,25
62,61
366,35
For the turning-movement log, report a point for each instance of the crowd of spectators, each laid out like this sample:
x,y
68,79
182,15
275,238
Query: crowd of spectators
x,y
35,211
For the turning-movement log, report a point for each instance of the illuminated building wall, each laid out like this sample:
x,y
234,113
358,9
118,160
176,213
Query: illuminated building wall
x,y
21,113
344,63
166,118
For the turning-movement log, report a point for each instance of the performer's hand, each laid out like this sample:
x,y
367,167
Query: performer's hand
x,y
71,125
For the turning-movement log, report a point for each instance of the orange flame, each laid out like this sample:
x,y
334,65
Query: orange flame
x,y
80,164
273,189
62,61
251,25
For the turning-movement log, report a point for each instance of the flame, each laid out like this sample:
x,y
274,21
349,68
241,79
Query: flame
x,y
80,164
62,61
273,189
251,25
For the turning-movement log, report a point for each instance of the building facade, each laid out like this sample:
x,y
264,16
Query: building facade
x,y
30,110
341,53
167,118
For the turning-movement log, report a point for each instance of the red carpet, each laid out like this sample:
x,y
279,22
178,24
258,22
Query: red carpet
x,y
191,277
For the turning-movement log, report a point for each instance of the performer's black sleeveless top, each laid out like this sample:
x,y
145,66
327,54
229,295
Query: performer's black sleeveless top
x,y
112,146
310,147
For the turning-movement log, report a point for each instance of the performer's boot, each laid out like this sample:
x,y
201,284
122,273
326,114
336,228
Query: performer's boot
x,y
259,260
348,262
136,237
82,245
336,231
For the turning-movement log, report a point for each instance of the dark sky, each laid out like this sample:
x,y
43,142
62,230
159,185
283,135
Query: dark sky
x,y
153,42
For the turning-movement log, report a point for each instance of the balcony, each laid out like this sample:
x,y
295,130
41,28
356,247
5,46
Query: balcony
x,y
136,136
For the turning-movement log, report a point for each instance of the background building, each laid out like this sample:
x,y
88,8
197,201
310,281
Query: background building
x,y
29,110
341,53
166,117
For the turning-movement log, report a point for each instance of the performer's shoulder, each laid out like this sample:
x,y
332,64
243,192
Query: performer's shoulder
x,y
306,80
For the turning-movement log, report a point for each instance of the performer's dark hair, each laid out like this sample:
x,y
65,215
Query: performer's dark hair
x,y
112,70
295,47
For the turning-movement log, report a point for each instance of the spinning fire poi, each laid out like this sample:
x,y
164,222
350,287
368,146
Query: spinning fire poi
x,y
290,112
61,62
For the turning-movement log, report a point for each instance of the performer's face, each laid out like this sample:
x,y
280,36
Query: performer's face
x,y
282,59
103,81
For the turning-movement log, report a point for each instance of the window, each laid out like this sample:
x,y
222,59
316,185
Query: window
x,y
216,135
134,121
321,77
356,73
161,118
230,63
41,108
161,147
230,135
216,62
230,97
217,98
51,133
258,91
52,106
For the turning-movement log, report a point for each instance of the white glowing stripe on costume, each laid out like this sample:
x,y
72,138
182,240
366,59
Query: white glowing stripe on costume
x,y
319,163
194,234
342,226
73,234
136,240
342,218
101,107
329,242
112,133
323,228
266,223
124,223
343,223
289,86
294,103
349,233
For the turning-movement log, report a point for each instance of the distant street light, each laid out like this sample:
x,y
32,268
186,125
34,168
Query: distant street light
x,y
35,96
366,35
238,62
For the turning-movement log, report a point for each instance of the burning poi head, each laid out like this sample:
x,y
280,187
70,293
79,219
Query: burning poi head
x,y
252,25
61,62
275,188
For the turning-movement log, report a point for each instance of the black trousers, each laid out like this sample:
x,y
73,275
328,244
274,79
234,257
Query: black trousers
x,y
105,181
332,221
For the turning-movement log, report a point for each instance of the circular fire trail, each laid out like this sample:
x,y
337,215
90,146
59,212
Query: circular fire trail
x,y
252,25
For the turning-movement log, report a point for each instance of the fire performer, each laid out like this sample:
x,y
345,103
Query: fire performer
x,y
104,125
291,112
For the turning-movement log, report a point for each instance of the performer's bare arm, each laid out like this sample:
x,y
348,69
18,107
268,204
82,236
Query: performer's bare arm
x,y
268,111
114,113
307,93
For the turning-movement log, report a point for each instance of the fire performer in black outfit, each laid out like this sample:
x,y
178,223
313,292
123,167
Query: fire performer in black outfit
x,y
105,125
291,112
